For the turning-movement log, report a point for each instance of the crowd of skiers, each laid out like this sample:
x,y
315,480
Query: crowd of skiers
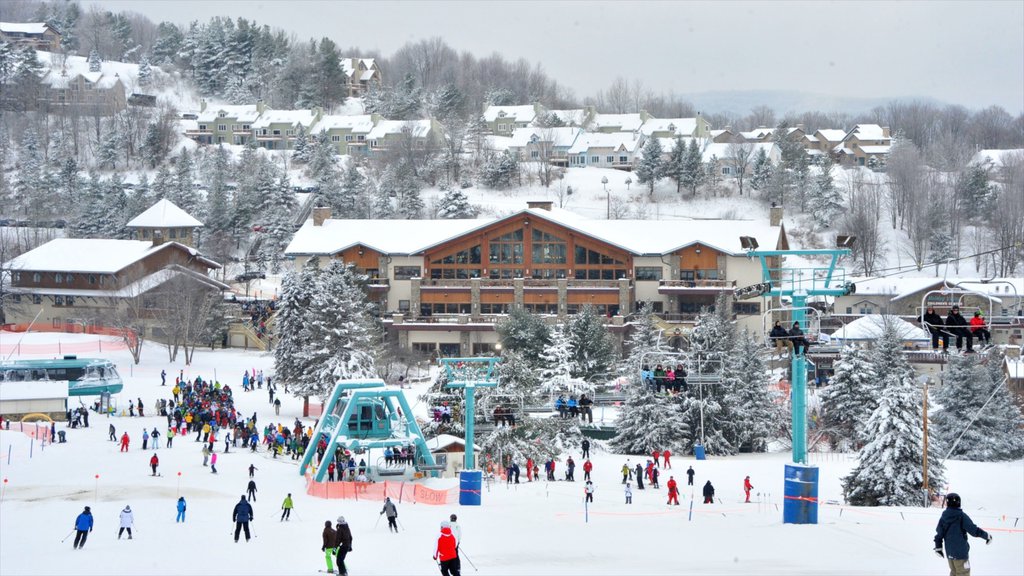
x,y
956,326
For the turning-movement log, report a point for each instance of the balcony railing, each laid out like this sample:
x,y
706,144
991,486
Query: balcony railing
x,y
717,284
510,283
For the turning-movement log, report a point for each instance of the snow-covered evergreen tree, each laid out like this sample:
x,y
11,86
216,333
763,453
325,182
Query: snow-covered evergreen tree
x,y
145,72
558,366
762,172
537,438
455,205
499,171
887,354
300,149
826,200
90,220
276,215
709,407
520,376
592,347
644,346
997,432
524,332
95,62
675,166
141,198
757,407
163,183
339,334
651,166
693,174
293,311
184,192
889,470
850,397
351,198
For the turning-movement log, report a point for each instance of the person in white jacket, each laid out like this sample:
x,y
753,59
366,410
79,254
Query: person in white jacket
x,y
127,520
456,529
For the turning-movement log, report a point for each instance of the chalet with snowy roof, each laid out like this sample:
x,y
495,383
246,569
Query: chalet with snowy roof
x,y
347,133
725,136
442,284
277,129
387,133
725,156
1000,300
36,35
166,221
759,134
611,150
544,144
90,281
671,127
608,123
361,75
503,120
864,145
226,124
68,84
827,139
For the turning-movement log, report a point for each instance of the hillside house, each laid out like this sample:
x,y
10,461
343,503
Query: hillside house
x,y
87,92
165,220
605,150
544,144
36,35
347,133
362,74
503,120
225,124
671,127
828,139
388,133
276,129
725,156
864,145
609,123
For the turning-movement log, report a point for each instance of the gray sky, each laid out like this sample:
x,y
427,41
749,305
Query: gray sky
x,y
969,53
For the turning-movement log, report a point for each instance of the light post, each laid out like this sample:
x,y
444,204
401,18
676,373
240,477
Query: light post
x,y
604,182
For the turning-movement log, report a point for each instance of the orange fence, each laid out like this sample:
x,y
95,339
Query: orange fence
x,y
377,491
58,347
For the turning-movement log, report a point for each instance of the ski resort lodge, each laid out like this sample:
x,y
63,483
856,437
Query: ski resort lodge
x,y
441,285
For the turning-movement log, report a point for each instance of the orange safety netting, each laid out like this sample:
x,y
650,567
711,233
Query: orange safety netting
x,y
378,491
98,346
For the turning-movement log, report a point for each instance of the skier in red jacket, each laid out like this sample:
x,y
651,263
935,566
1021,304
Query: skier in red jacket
x,y
673,491
747,487
587,467
124,442
657,456
447,553
665,456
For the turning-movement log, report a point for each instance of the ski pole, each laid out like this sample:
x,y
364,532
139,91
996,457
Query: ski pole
x,y
463,555
377,523
400,524
68,536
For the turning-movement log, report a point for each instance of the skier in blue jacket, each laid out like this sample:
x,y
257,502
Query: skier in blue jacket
x,y
952,530
181,510
83,524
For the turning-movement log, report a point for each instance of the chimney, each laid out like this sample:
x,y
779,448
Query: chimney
x,y
775,215
158,237
321,214
542,204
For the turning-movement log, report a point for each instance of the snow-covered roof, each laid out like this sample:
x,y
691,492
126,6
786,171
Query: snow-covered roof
x,y
140,286
636,236
367,74
417,128
996,158
1015,368
560,137
758,134
290,117
831,135
497,143
247,113
625,122
998,289
360,123
518,113
868,132
164,214
442,441
617,141
24,27
877,149
33,390
869,327
99,255
677,126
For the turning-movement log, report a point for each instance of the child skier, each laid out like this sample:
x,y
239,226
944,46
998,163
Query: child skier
x,y
629,494
747,487
127,520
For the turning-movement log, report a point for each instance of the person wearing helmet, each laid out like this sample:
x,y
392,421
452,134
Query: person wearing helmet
x,y
343,544
953,528
933,322
447,552
127,521
957,326
979,330
83,525
453,523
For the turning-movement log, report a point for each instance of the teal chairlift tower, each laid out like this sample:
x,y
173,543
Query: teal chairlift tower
x,y
470,374
799,284
362,415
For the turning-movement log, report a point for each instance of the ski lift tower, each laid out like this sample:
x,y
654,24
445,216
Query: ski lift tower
x,y
470,374
799,284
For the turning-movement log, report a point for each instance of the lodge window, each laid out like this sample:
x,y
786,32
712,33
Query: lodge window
x,y
535,154
541,308
548,248
222,127
648,273
58,300
445,308
691,275
276,132
425,347
37,299
507,249
172,233
505,273
17,276
623,159
58,278
610,159
335,138
606,274
495,308
407,272
37,277
348,138
69,278
746,308
69,300
454,273
595,159
403,306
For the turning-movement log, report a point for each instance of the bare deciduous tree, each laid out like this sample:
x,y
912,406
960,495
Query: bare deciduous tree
x,y
741,157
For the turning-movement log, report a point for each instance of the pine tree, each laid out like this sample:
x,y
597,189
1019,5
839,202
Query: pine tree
x,y
300,150
455,205
675,167
537,438
887,354
184,192
557,365
651,166
145,72
168,43
115,208
889,470
339,335
826,200
710,347
90,218
275,219
95,62
593,349
850,397
762,172
524,332
215,174
997,431
757,407
693,168
141,198
647,423
163,183
644,345
520,376
351,197
293,312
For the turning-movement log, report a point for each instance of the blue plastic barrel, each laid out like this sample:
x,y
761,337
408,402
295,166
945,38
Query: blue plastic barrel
x,y
801,495
698,451
470,482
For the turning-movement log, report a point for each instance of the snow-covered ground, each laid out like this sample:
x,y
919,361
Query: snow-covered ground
x,y
533,528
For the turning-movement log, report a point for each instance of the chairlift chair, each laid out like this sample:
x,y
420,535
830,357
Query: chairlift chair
x,y
812,329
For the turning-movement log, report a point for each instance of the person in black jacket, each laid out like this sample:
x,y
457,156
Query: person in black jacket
x,y
952,530
241,516
957,326
796,335
781,338
933,322
709,493
344,544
